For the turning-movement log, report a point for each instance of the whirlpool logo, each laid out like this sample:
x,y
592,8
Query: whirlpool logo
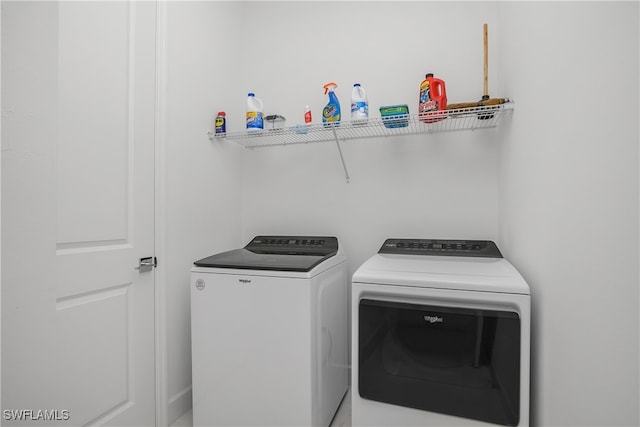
x,y
433,319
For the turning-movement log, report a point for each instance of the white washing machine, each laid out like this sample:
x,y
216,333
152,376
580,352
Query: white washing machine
x,y
269,333
440,336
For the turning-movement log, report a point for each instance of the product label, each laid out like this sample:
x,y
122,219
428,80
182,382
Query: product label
x,y
254,120
220,125
426,104
424,92
359,109
330,114
429,105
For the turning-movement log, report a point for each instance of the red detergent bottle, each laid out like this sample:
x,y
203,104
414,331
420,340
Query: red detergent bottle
x,y
433,99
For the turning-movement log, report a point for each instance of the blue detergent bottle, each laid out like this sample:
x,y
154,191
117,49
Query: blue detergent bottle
x,y
331,112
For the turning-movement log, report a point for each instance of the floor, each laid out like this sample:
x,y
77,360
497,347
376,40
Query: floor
x,y
342,418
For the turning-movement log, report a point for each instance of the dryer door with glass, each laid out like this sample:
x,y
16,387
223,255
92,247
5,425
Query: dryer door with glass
x,y
452,360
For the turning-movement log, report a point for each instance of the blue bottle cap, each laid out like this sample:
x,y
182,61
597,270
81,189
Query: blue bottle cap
x,y
356,84
251,94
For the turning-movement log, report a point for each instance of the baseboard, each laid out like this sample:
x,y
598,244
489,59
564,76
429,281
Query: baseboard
x,y
179,404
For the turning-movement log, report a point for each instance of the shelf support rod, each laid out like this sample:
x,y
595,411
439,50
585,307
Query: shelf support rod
x,y
344,166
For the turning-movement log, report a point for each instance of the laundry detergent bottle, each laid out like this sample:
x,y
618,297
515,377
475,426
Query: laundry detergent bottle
x,y
331,112
433,98
254,113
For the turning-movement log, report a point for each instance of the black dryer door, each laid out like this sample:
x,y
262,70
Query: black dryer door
x,y
456,361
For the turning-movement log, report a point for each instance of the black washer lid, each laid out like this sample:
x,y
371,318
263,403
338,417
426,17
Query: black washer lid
x,y
276,253
461,248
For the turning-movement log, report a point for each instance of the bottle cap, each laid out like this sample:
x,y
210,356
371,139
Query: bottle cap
x,y
222,113
329,86
429,75
356,84
251,94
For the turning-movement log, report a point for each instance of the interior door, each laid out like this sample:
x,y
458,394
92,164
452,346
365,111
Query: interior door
x,y
104,310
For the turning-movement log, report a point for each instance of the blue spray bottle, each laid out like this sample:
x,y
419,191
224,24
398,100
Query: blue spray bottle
x,y
331,112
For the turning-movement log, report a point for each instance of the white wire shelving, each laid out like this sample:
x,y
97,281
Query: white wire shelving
x,y
413,124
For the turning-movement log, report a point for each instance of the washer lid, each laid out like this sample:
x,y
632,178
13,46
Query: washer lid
x,y
278,253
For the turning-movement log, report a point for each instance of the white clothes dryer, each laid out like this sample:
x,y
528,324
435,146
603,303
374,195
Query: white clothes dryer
x,y
269,333
440,336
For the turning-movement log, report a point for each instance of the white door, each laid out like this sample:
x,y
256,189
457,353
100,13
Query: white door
x,y
78,108
105,198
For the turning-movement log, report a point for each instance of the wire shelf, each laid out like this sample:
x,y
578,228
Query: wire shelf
x,y
412,124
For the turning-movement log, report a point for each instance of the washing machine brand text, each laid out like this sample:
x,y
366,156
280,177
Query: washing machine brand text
x,y
433,319
244,280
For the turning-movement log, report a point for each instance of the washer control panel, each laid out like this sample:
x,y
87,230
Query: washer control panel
x,y
465,248
298,245
292,242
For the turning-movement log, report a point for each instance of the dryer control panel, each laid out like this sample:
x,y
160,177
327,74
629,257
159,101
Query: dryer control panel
x,y
464,248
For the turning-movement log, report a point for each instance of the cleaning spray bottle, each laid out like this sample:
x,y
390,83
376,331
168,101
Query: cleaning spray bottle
x,y
331,112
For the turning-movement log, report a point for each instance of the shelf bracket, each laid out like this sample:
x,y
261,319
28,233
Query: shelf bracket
x,y
344,166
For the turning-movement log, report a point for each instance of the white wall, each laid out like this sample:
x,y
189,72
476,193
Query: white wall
x,y
569,201
202,181
439,186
